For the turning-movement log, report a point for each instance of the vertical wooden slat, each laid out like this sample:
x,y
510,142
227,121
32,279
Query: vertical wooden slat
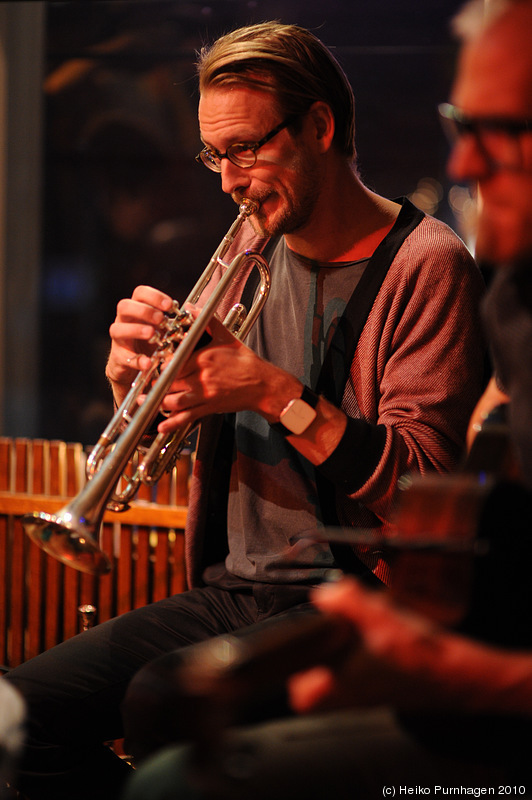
x,y
5,461
53,601
70,603
174,490
36,561
54,570
124,568
4,603
182,479
106,583
160,567
40,452
166,493
5,535
21,465
142,567
71,457
36,601
177,578
16,632
46,468
4,596
183,473
17,566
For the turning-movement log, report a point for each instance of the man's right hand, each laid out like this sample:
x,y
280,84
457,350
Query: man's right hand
x,y
136,321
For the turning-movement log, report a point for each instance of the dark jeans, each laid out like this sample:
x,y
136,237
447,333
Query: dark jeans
x,y
74,691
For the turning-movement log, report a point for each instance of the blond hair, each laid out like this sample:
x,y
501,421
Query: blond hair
x,y
289,62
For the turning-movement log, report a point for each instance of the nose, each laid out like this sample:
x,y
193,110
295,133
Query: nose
x,y
234,179
467,161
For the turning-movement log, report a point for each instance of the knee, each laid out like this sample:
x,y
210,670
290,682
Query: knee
x,y
153,709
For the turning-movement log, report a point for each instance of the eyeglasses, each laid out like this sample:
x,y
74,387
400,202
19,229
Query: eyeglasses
x,y
240,154
497,138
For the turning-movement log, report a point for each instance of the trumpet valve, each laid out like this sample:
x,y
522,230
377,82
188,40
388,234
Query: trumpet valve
x,y
235,317
173,327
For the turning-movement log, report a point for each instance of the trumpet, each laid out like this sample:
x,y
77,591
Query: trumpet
x,y
71,534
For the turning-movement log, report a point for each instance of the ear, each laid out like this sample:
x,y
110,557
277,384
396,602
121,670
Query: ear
x,y
322,119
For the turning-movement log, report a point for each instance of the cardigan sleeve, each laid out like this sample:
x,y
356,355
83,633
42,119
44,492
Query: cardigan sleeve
x,y
417,373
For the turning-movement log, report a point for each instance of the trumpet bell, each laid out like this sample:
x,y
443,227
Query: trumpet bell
x,y
68,540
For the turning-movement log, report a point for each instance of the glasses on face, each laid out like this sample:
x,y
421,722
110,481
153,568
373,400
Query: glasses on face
x,y
241,154
499,139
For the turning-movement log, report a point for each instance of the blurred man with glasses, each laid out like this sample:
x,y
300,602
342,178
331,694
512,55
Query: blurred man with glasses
x,y
490,126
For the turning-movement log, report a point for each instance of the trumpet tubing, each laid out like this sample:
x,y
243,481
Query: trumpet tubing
x,y
71,534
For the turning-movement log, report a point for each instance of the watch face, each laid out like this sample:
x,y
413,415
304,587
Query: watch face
x,y
297,416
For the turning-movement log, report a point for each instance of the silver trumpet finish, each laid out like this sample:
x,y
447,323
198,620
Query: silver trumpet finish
x,y
71,534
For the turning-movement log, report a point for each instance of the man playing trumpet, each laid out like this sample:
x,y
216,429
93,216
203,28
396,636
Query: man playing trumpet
x,y
303,425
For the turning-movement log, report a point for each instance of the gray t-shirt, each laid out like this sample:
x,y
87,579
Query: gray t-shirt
x,y
272,496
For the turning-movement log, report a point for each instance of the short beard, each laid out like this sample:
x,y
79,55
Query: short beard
x,y
297,214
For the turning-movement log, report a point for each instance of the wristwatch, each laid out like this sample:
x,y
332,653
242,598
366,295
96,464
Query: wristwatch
x,y
298,414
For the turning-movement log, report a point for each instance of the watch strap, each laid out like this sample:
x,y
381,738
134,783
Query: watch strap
x,y
309,397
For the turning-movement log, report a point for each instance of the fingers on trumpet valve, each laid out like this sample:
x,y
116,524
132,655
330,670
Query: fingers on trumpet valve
x,y
173,327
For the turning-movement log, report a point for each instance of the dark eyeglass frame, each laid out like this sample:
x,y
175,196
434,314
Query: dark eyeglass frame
x,y
208,155
457,124
463,123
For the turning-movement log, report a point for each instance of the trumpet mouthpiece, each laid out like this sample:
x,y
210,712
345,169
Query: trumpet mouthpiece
x,y
248,207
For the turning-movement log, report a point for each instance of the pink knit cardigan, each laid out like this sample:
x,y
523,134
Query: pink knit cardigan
x,y
417,371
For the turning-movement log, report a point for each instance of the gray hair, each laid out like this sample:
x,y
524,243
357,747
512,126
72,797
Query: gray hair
x,y
478,15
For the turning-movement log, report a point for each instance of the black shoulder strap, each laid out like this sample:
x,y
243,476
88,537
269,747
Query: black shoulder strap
x,y
337,362
338,359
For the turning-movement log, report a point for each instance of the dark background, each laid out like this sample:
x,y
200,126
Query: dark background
x,y
124,201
